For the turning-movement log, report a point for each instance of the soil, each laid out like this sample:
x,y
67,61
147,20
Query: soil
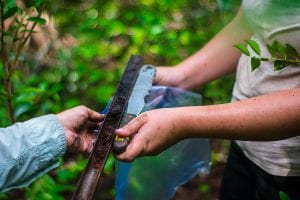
x,y
206,186
192,189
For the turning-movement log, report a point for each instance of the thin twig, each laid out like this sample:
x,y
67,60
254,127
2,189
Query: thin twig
x,y
7,69
2,33
22,44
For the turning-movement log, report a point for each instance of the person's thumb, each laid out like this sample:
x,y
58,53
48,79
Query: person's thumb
x,y
132,127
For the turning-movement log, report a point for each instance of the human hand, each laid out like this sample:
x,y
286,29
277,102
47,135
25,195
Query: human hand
x,y
151,133
79,123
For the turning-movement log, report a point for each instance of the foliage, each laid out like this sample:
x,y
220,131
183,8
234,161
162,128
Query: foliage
x,y
13,39
84,61
283,196
281,55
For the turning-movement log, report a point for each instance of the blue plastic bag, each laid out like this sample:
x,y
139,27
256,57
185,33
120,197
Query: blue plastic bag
x,y
158,177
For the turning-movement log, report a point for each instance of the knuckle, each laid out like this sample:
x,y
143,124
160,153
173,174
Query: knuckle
x,y
130,126
137,122
83,109
143,117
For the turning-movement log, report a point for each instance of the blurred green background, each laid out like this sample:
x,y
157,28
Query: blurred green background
x,y
79,56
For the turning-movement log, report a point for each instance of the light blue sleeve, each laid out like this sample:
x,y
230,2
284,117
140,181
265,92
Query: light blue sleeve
x,y
30,149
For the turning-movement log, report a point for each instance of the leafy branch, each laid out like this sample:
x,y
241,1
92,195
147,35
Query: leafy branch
x,y
13,40
281,55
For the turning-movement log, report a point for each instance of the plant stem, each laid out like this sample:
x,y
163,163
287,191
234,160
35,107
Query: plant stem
x,y
7,70
272,59
22,43
10,108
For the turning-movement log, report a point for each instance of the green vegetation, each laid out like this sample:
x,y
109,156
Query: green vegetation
x,y
281,55
60,54
283,196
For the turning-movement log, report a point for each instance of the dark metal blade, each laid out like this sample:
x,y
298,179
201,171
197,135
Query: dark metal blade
x,y
91,175
136,103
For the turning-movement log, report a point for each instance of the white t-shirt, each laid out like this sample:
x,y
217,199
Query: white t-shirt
x,y
270,20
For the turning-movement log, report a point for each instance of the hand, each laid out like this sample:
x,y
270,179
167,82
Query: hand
x,y
151,133
79,123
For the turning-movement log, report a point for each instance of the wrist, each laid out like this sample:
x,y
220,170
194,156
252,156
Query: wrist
x,y
192,121
180,74
189,76
180,122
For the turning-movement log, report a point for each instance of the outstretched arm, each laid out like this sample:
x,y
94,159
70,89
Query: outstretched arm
x,y
214,60
268,117
32,148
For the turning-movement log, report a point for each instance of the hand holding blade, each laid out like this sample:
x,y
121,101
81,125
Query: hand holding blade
x,y
136,103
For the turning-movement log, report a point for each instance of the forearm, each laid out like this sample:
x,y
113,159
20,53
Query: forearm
x,y
29,150
268,117
218,57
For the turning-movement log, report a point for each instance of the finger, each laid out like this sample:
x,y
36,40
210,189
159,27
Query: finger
x,y
133,150
95,116
90,128
77,143
88,143
90,114
133,126
88,136
91,145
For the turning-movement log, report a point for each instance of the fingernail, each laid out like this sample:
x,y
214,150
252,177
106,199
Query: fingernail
x,y
121,130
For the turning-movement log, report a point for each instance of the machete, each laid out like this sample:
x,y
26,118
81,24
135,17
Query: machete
x,y
136,103
90,177
133,87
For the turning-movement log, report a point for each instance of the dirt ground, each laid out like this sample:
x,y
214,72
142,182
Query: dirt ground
x,y
202,187
206,186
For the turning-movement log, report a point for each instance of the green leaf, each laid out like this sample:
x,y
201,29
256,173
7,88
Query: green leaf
x,y
10,12
9,4
283,196
34,3
3,94
109,166
281,51
38,20
22,109
243,49
280,64
255,63
292,53
272,48
204,188
254,46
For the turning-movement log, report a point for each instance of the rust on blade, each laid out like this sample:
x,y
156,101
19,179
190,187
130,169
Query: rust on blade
x,y
90,177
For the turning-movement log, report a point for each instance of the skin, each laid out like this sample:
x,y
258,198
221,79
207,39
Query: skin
x,y
78,124
203,67
268,117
